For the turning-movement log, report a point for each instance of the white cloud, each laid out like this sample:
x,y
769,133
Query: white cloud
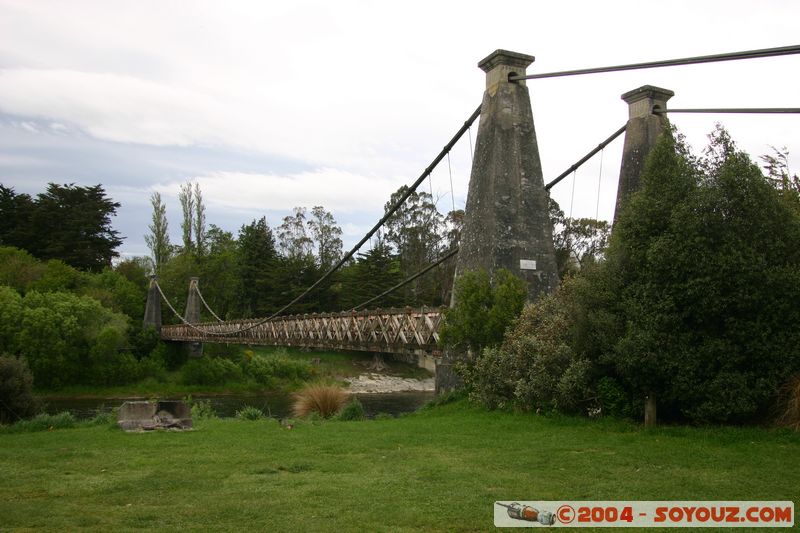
x,y
337,190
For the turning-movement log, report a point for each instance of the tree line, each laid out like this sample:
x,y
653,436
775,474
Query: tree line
x,y
693,308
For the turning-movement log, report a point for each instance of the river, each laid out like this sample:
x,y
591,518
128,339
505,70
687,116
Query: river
x,y
277,405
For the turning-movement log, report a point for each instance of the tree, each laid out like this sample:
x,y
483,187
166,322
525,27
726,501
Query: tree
x,y
158,239
415,231
293,239
374,272
199,221
485,308
17,400
327,236
710,258
577,240
186,199
15,218
73,224
257,260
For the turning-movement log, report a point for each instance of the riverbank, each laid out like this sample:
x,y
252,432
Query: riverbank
x,y
439,469
341,367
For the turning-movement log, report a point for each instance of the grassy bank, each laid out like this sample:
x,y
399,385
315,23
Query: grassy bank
x,y
326,366
436,470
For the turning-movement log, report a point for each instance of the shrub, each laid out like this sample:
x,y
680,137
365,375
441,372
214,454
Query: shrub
x,y
16,390
201,409
352,411
484,309
536,368
58,331
265,369
210,371
249,413
325,400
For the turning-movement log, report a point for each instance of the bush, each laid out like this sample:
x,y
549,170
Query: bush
x,y
265,369
16,390
210,371
536,368
201,409
58,331
325,400
249,413
484,309
352,411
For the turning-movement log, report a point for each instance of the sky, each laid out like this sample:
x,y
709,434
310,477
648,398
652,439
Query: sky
x,y
272,105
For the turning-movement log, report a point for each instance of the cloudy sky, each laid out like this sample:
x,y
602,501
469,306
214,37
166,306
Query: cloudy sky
x,y
271,105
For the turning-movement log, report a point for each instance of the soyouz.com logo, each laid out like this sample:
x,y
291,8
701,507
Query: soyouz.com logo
x,y
747,514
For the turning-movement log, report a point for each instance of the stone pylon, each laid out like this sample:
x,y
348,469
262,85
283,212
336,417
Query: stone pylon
x,y
507,223
192,312
641,134
192,316
152,310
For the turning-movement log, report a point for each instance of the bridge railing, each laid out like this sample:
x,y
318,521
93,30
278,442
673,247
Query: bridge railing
x,y
378,330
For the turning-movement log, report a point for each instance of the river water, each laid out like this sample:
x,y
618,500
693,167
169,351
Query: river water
x,y
277,405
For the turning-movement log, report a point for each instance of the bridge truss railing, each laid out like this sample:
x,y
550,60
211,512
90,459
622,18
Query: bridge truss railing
x,y
379,330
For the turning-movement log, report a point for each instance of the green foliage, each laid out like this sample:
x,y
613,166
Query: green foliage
x,y
353,410
535,368
59,330
73,224
17,400
10,319
210,371
201,409
18,268
42,422
58,276
484,309
265,369
708,258
249,413
117,293
695,303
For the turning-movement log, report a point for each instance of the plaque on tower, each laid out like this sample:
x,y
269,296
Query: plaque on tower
x,y
527,264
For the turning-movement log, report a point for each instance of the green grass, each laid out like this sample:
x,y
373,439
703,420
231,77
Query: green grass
x,y
437,470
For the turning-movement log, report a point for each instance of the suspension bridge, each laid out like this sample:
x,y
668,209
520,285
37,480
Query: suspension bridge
x,y
506,222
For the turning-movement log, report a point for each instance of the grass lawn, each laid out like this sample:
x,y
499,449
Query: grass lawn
x,y
440,469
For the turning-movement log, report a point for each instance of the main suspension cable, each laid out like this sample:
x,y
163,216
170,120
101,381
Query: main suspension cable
x,y
714,58
200,294
588,156
744,110
375,228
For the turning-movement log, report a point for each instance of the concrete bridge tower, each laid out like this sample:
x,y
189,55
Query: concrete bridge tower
x,y
641,134
152,310
507,223
192,316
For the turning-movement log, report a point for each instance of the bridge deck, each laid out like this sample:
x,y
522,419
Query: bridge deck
x,y
379,330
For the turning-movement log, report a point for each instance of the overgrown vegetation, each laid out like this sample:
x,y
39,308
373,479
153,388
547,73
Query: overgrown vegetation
x,y
695,303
